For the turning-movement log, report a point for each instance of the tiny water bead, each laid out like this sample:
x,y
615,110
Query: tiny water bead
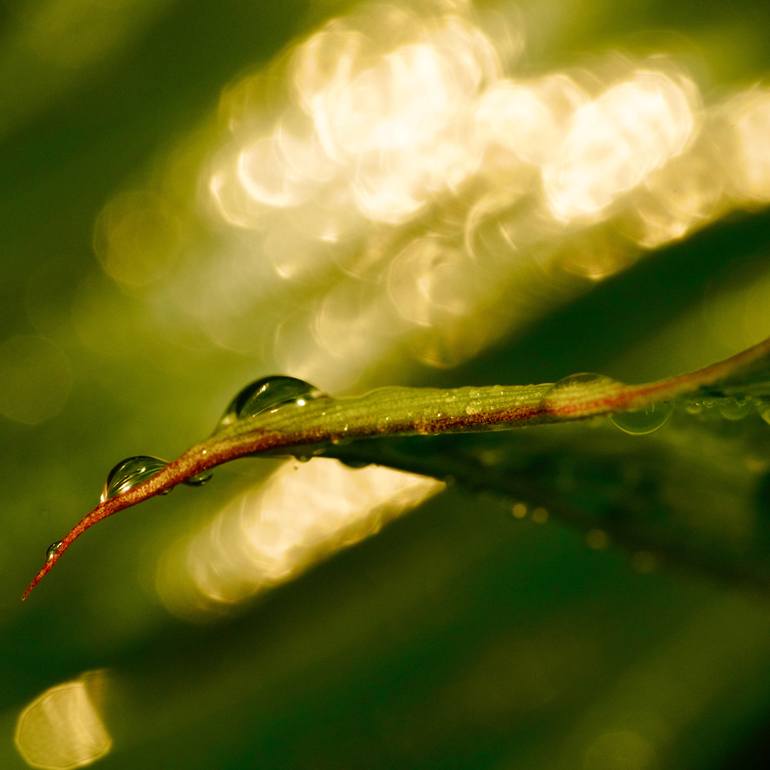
x,y
641,422
52,550
132,471
265,395
200,479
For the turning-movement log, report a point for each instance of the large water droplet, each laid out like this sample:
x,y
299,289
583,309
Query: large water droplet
x,y
129,473
52,550
640,422
265,395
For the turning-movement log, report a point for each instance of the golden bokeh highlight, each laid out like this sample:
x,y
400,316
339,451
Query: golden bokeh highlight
x,y
399,175
749,117
271,533
63,728
616,140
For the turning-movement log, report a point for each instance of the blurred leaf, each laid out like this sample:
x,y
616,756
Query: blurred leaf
x,y
648,503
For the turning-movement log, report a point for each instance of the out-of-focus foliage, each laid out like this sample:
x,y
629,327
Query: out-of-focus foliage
x,y
197,194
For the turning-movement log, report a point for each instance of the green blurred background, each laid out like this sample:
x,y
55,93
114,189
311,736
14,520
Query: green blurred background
x,y
133,308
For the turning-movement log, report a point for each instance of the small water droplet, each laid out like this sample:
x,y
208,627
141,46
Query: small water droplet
x,y
641,422
265,395
693,407
129,473
52,550
736,408
199,479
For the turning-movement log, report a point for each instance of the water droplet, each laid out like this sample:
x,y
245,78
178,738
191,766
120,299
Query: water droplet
x,y
640,422
129,473
200,479
265,395
693,407
735,408
52,550
584,383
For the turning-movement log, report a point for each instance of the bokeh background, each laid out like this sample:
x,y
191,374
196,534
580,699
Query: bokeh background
x,y
198,194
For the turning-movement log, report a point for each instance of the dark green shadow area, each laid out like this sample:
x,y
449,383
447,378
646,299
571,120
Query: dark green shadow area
x,y
592,330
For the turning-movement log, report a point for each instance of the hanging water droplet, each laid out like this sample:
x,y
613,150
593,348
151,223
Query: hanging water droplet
x,y
735,408
265,395
640,422
199,480
129,473
52,550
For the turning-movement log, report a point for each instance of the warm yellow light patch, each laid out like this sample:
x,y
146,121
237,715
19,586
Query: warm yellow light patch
x,y
269,534
62,728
